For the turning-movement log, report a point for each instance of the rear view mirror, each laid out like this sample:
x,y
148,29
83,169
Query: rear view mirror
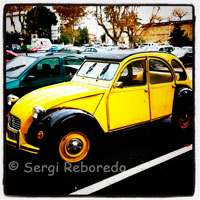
x,y
30,78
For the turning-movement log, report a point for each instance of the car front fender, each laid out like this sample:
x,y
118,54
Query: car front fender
x,y
55,120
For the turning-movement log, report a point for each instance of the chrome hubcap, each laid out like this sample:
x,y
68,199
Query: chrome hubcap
x,y
74,146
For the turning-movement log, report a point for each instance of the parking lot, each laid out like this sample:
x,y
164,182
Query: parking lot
x,y
175,177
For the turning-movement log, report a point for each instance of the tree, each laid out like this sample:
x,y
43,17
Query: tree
x,y
64,38
71,17
110,18
20,9
132,25
178,37
103,37
12,38
83,37
179,12
39,21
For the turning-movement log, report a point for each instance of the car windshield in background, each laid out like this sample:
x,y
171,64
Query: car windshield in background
x,y
18,65
98,70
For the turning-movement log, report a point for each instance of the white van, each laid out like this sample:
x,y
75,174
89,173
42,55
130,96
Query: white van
x,y
45,44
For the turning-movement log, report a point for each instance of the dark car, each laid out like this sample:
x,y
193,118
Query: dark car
x,y
29,72
14,47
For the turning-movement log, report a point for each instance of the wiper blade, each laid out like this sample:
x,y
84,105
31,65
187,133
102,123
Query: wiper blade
x,y
90,68
17,67
105,69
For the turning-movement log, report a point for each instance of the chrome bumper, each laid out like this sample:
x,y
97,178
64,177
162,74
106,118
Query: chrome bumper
x,y
15,139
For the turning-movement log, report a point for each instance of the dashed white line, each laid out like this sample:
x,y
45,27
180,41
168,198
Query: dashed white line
x,y
135,170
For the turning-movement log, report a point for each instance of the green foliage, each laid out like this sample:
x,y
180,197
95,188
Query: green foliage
x,y
103,37
83,37
65,38
179,38
39,21
14,38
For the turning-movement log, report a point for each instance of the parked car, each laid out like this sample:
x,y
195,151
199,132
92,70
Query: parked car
x,y
26,73
35,49
9,55
26,48
92,50
188,49
56,48
109,93
162,48
185,54
14,47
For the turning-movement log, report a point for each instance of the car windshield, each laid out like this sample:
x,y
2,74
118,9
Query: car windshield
x,y
98,70
18,65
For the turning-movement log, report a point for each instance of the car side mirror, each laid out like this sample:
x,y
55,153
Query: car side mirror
x,y
30,78
118,84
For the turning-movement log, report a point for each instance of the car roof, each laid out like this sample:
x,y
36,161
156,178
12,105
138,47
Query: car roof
x,y
49,54
121,55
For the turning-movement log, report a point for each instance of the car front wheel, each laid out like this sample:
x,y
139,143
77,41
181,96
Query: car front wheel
x,y
74,146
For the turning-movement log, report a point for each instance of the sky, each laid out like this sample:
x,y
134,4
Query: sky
x,y
144,13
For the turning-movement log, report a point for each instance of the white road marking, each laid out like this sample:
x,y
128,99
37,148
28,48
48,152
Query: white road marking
x,y
135,170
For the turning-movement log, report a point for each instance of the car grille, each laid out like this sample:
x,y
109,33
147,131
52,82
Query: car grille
x,y
14,122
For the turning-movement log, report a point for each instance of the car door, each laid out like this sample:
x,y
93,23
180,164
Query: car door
x,y
46,72
162,88
129,105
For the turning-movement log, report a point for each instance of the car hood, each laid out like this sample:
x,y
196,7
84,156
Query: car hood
x,y
51,96
8,80
11,83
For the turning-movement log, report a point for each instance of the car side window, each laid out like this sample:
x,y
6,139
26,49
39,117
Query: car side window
x,y
46,68
179,71
72,61
159,72
134,74
71,65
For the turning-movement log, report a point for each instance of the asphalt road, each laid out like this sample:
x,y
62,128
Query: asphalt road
x,y
30,176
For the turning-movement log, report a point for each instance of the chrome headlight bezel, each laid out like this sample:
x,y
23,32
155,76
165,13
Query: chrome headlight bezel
x,y
12,99
38,111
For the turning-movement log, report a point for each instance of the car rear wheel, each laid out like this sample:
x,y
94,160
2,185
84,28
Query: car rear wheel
x,y
182,124
184,121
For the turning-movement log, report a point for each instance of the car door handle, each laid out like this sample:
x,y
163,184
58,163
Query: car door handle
x,y
146,90
173,86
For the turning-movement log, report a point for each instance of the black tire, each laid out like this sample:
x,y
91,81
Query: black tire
x,y
182,122
58,145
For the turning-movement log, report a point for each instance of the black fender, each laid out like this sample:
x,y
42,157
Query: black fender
x,y
55,120
183,99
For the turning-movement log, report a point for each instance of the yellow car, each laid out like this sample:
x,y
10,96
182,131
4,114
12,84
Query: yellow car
x,y
109,93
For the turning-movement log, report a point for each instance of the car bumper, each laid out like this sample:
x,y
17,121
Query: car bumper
x,y
17,141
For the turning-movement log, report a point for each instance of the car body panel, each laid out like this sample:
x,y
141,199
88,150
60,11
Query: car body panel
x,y
52,97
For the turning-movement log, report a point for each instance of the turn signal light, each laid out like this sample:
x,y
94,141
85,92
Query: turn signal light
x,y
40,135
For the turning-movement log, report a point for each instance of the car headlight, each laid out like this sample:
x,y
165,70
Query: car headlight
x,y
12,99
38,111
